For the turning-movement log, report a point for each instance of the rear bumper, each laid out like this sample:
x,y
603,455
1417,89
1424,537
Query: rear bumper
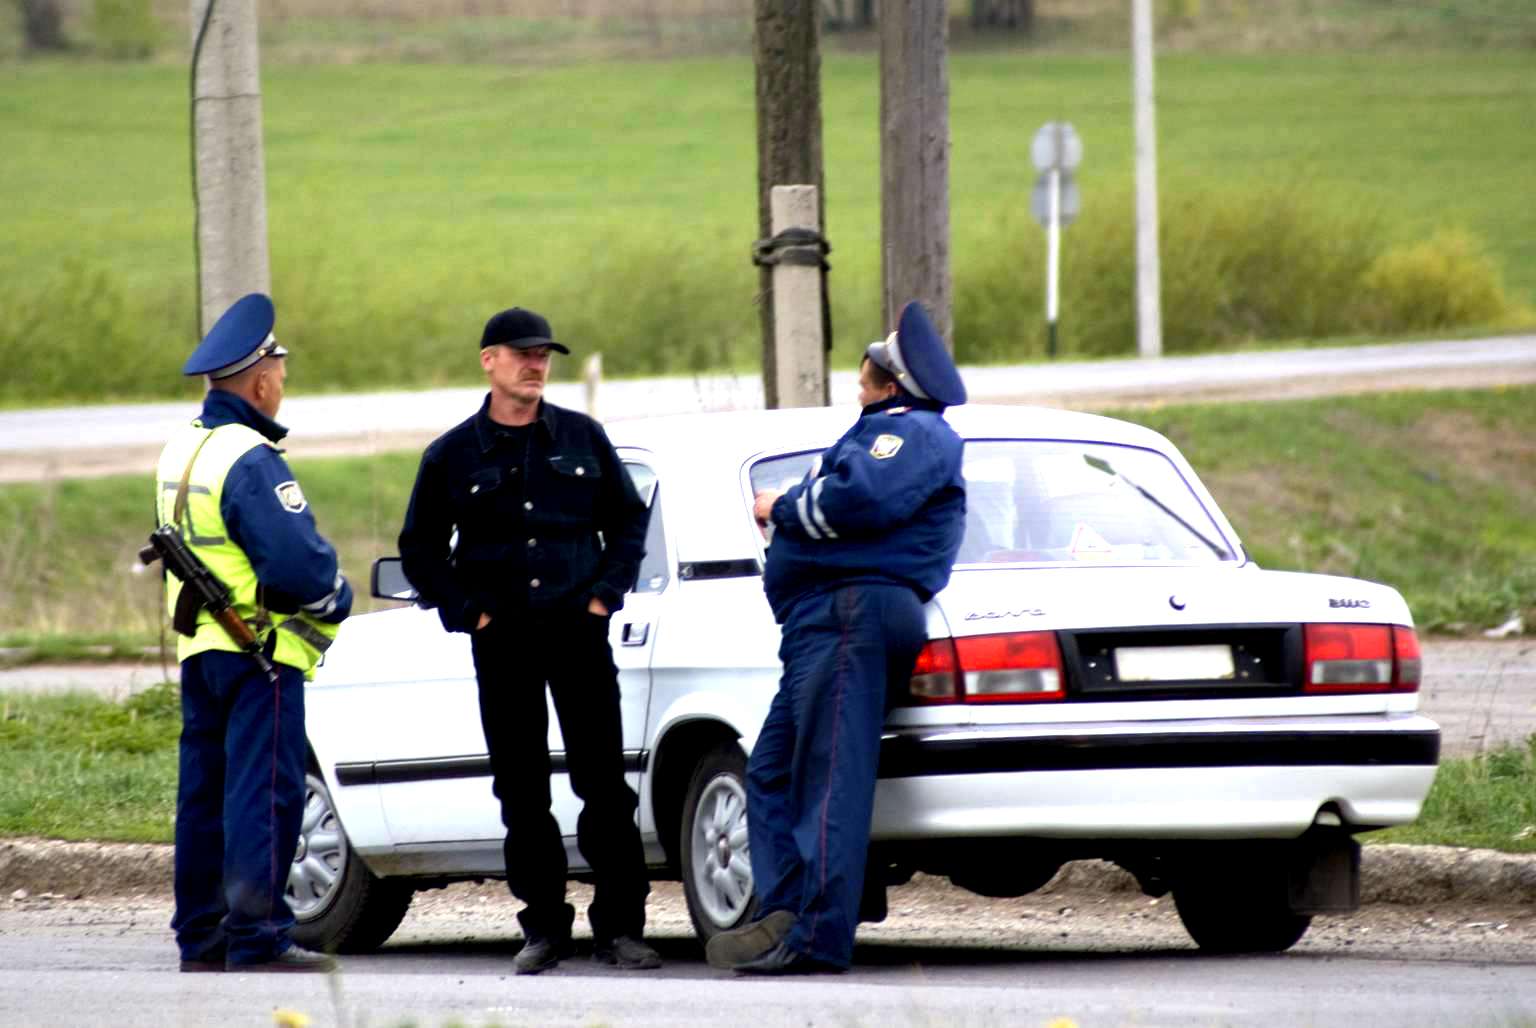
x,y
1198,780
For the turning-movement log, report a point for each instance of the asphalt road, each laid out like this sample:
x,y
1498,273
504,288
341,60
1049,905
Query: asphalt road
x,y
106,439
1482,692
1119,962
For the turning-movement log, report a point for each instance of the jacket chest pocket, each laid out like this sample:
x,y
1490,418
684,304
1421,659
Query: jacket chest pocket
x,y
485,495
575,479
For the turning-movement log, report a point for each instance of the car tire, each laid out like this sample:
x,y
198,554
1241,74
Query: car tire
x,y
713,845
1239,913
339,905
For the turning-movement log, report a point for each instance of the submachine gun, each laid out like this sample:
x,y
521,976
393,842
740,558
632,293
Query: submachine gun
x,y
201,588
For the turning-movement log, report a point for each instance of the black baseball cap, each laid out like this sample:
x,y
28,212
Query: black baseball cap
x,y
520,329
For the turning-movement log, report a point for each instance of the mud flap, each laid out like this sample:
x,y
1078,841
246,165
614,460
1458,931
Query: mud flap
x,y
1323,874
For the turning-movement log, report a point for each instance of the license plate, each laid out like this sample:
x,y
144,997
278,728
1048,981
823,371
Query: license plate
x,y
1173,663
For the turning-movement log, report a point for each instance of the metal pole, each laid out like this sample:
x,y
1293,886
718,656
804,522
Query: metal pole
x,y
1149,311
1053,261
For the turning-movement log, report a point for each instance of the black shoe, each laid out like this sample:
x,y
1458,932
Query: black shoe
x,y
293,960
541,955
627,952
750,941
783,960
210,961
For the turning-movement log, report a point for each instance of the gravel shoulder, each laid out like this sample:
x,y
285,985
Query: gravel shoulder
x,y
1465,912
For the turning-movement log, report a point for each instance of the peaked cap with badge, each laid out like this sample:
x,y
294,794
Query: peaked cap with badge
x,y
916,355
241,337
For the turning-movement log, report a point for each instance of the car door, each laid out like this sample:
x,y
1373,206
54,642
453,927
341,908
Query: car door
x,y
632,632
435,782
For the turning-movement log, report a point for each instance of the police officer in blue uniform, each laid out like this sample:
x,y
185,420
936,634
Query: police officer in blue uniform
x,y
223,482
858,547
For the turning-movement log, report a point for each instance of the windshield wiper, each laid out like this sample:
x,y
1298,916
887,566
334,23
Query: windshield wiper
x,y
1100,464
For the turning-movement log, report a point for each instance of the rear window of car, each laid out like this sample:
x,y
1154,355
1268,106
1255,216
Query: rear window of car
x,y
1041,501
1033,501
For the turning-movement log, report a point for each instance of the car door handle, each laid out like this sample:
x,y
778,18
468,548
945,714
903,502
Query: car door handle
x,y
634,633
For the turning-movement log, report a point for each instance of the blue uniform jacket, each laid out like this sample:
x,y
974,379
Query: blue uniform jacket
x,y
886,503
294,564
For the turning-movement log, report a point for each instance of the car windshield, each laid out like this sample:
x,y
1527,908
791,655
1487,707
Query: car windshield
x,y
1032,501
1039,501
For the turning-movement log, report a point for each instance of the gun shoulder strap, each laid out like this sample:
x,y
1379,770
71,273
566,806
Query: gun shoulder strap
x,y
188,606
180,509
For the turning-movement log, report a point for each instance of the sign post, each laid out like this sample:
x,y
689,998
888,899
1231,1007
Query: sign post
x,y
1056,151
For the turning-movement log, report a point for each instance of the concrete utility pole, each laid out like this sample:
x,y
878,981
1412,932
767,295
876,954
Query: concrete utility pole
x,y
914,160
786,44
230,173
1149,304
800,365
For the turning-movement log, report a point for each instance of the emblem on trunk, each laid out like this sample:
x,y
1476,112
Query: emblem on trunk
x,y
987,615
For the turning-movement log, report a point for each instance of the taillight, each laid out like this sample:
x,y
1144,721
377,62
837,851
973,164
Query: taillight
x,y
1408,667
933,676
1019,667
1361,658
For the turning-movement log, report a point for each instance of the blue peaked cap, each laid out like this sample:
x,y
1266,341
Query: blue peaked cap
x,y
241,337
916,355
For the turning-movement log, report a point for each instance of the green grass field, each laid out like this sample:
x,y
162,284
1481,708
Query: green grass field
x,y
80,767
406,202
1430,492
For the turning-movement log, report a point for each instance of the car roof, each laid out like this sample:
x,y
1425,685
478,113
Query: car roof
x,y
733,436
700,458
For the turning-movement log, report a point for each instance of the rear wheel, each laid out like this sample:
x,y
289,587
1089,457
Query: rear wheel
x,y
716,859
339,905
1239,909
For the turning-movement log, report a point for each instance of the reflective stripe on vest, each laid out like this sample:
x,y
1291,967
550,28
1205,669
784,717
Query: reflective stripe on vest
x,y
301,640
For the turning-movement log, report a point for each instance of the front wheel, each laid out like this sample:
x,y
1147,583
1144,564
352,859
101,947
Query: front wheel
x,y
716,859
339,905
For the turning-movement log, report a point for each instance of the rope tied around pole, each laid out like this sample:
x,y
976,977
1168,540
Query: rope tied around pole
x,y
798,246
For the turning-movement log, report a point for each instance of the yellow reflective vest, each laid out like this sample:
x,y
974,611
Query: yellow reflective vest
x,y
301,639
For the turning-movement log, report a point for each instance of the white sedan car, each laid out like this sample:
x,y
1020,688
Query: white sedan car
x,y
1108,676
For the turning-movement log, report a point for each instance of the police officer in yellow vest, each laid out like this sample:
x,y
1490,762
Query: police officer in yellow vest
x,y
223,482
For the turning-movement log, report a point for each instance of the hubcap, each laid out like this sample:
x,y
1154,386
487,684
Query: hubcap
x,y
722,867
321,855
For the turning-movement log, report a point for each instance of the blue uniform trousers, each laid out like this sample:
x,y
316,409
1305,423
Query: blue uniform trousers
x,y
239,801
811,776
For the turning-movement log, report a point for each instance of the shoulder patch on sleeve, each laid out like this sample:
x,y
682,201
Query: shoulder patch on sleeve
x,y
885,446
291,496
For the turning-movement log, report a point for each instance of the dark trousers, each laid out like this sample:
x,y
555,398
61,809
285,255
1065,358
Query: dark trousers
x,y
239,800
514,659
811,776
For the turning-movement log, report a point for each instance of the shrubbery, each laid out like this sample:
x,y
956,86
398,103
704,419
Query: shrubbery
x,y
1243,266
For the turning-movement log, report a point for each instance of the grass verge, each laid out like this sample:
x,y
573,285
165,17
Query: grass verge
x,y
80,767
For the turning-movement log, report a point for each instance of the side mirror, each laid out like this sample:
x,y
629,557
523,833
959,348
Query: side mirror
x,y
388,581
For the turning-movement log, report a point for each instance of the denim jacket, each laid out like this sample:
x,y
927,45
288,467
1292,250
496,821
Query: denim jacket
x,y
539,528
